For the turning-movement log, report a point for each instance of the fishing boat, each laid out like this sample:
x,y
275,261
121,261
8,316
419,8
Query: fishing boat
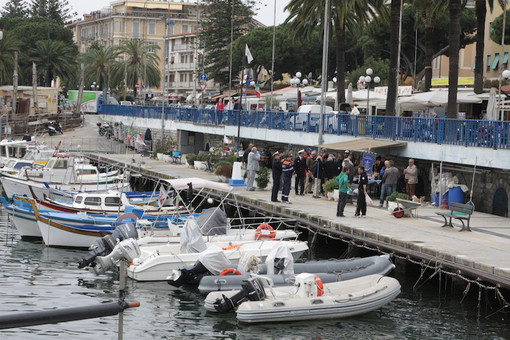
x,y
307,299
63,172
327,270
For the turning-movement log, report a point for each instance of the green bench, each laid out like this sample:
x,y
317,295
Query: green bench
x,y
459,211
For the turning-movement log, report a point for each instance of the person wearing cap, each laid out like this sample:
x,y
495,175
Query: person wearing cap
x,y
287,171
300,173
252,168
361,205
346,157
277,176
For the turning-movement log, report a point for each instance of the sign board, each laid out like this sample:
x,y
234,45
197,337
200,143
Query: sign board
x,y
144,86
444,81
149,92
137,85
203,76
368,162
203,86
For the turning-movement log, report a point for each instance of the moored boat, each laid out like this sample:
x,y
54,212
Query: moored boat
x,y
307,299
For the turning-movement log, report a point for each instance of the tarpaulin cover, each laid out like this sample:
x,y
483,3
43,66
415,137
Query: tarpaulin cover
x,y
191,237
214,259
213,222
281,251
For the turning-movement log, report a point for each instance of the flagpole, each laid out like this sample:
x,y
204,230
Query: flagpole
x,y
272,58
239,112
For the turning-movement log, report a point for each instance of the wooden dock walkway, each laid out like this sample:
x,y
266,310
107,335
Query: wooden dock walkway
x,y
482,255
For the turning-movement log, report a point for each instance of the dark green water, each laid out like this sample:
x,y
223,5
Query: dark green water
x,y
34,277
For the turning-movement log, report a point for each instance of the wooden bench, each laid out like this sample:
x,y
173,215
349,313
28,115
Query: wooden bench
x,y
459,211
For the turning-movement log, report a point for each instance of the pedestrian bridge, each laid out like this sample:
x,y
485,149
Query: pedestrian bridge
x,y
460,141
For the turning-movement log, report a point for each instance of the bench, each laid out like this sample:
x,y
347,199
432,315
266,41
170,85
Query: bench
x,y
459,211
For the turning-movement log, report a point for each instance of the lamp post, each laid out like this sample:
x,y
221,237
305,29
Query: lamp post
x,y
367,80
505,74
94,86
296,82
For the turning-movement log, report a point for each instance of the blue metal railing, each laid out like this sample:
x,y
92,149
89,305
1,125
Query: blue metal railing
x,y
465,132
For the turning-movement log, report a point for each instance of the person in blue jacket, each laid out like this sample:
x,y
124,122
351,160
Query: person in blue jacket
x,y
287,172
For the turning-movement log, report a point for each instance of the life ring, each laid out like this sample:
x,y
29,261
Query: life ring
x,y
320,285
264,231
230,271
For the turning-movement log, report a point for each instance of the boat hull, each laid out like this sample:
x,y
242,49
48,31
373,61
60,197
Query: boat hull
x,y
341,270
58,235
26,224
341,300
158,262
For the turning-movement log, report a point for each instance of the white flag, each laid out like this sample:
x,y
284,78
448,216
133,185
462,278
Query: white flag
x,y
248,55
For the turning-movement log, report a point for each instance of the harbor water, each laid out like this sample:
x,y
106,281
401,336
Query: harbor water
x,y
34,277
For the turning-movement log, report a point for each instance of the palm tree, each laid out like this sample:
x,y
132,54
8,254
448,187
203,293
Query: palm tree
x,y
55,58
453,74
141,62
8,45
306,15
481,11
99,61
396,7
428,11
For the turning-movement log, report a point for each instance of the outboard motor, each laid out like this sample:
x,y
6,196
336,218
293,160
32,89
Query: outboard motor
x,y
187,275
105,245
251,289
127,250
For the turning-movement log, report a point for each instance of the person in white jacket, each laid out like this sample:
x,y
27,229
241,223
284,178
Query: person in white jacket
x,y
252,167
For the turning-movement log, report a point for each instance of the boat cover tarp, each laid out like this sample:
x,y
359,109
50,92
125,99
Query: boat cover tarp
x,y
281,252
191,238
214,259
213,222
198,183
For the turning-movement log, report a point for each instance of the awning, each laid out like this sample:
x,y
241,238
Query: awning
x,y
362,144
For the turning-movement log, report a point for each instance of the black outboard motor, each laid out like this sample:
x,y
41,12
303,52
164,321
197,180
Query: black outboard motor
x,y
105,245
190,274
251,289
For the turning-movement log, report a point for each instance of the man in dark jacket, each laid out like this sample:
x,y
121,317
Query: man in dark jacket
x,y
361,205
277,175
287,172
300,173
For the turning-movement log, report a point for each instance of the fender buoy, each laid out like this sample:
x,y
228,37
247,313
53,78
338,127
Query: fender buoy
x,y
230,271
264,231
320,286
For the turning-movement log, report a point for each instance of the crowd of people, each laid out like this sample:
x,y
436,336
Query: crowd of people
x,y
311,170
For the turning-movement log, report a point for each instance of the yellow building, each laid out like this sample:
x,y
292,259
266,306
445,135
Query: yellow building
x,y
467,55
152,21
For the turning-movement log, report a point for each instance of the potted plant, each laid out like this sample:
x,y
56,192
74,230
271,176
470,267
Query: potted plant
x,y
201,161
224,172
392,200
331,187
191,158
262,177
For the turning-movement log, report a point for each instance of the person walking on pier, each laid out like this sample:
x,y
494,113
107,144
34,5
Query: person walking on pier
x,y
343,188
411,178
300,173
277,176
287,171
389,181
245,158
361,205
252,168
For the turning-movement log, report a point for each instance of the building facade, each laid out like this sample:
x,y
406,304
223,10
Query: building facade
x,y
169,24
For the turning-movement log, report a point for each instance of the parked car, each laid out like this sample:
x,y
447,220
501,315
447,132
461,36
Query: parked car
x,y
312,111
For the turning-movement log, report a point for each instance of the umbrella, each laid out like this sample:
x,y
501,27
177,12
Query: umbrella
x,y
348,98
423,100
491,105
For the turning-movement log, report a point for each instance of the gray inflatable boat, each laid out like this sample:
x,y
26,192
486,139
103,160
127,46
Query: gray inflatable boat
x,y
327,270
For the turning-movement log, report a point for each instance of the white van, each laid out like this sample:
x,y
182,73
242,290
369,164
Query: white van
x,y
302,116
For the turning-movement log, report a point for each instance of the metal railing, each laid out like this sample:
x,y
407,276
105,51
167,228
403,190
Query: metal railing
x,y
465,132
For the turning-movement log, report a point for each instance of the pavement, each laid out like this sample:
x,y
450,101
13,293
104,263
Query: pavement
x,y
484,251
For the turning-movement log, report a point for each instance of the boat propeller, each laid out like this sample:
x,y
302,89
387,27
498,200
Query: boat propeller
x,y
251,289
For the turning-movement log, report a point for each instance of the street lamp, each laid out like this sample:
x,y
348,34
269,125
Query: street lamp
x,y
296,82
366,81
93,86
505,74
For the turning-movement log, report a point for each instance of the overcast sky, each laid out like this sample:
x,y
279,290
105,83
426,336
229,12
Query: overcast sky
x,y
264,14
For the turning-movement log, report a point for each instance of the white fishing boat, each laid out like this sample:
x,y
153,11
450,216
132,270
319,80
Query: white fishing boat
x,y
307,299
66,173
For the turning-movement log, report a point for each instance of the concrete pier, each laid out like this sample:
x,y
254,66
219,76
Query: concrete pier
x,y
482,254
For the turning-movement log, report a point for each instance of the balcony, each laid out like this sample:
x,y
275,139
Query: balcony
x,y
181,85
181,66
182,47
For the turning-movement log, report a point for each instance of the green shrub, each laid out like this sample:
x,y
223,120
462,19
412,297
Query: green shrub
x,y
263,177
222,162
393,197
330,185
203,156
191,158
